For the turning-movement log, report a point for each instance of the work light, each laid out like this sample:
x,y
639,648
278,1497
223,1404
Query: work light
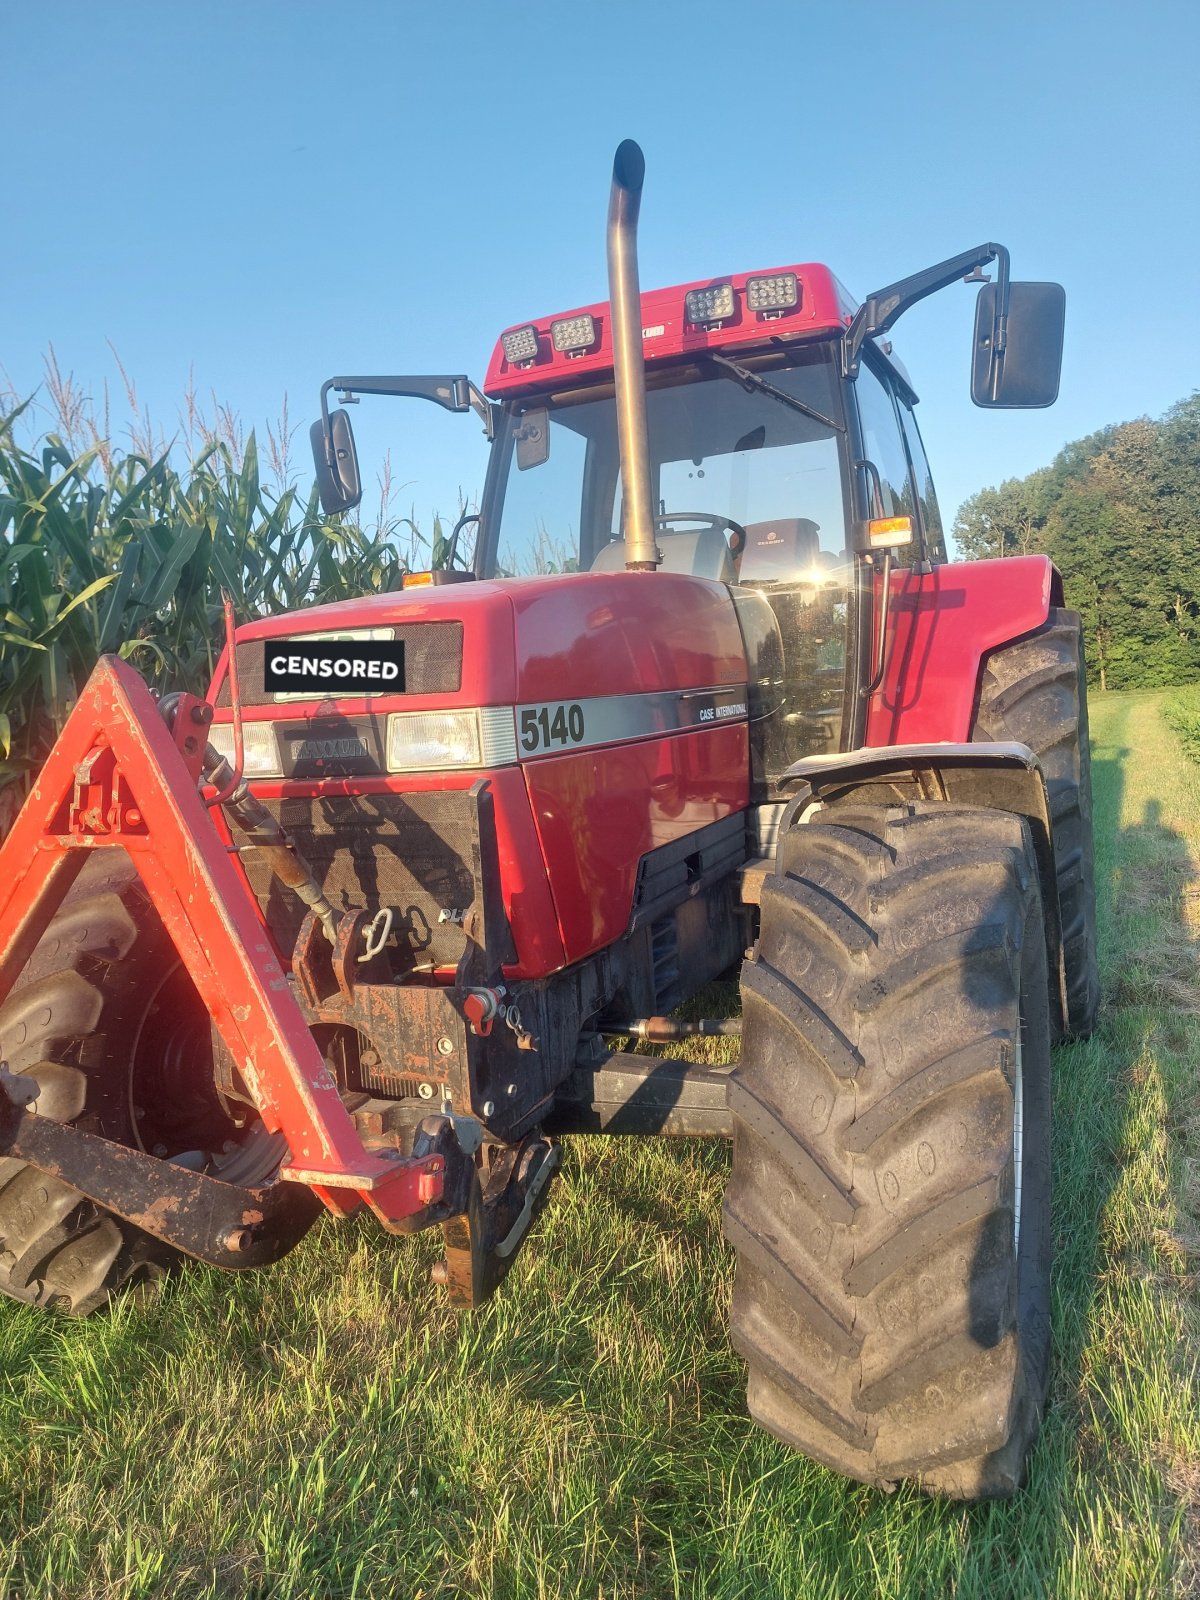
x,y
709,305
778,292
520,345
573,334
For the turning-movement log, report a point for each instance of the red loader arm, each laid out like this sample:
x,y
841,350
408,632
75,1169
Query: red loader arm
x,y
119,777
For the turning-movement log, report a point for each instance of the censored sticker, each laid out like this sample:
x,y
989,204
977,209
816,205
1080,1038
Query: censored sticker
x,y
325,666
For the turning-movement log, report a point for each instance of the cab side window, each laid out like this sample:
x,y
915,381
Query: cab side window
x,y
935,537
883,445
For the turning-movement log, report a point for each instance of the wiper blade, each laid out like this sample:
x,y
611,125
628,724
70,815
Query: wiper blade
x,y
751,380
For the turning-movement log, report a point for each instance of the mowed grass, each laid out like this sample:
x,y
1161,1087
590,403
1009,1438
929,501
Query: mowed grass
x,y
329,1428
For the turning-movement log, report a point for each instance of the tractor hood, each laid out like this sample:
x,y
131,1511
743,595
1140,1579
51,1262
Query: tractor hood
x,y
606,711
511,643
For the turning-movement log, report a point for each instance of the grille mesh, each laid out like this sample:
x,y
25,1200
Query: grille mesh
x,y
410,852
432,662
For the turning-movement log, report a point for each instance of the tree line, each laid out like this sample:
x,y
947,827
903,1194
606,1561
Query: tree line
x,y
1119,514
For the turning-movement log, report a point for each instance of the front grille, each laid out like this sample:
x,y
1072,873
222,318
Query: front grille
x,y
411,852
432,662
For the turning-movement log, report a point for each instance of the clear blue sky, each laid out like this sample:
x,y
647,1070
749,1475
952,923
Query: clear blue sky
x,y
270,192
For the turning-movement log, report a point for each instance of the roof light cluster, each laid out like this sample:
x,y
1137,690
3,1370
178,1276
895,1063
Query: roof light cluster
x,y
768,297
570,336
779,292
709,305
765,298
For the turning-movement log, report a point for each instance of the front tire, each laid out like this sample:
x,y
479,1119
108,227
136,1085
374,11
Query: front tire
x,y
894,1322
107,1023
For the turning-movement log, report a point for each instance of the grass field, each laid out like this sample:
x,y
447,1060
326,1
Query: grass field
x,y
328,1428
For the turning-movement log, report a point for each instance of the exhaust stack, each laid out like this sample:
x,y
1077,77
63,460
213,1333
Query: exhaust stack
x,y
625,307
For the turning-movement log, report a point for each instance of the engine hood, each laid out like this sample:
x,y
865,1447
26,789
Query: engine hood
x,y
520,640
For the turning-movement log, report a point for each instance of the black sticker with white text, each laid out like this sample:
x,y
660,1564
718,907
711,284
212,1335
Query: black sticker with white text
x,y
323,667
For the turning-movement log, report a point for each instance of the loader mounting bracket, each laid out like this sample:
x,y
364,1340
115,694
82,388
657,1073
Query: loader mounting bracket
x,y
119,777
204,1217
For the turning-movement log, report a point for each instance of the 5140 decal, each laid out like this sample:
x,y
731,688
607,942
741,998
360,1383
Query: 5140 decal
x,y
551,727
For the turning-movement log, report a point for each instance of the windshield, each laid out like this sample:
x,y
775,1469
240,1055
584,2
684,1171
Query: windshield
x,y
718,451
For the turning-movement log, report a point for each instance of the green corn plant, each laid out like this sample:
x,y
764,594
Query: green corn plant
x,y
107,552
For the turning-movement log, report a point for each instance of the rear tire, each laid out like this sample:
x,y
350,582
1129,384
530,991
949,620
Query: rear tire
x,y
79,1019
1035,691
896,1015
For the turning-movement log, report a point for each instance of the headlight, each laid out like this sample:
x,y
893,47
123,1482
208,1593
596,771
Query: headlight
x,y
426,741
420,741
259,743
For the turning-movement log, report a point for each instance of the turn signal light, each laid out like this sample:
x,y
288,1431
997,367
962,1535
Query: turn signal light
x,y
887,532
416,580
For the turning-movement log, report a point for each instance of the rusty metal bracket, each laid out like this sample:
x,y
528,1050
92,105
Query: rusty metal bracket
x,y
204,1217
507,1193
489,938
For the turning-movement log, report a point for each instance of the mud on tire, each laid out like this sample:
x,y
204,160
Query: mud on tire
x,y
1035,691
891,1326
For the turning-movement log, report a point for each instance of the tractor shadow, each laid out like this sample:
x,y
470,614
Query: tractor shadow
x,y
1150,974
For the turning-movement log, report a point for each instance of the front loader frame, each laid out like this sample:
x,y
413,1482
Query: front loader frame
x,y
119,777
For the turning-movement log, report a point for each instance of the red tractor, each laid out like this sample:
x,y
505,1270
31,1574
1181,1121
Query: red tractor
x,y
358,928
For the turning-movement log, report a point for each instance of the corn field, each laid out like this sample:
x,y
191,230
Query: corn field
x,y
103,551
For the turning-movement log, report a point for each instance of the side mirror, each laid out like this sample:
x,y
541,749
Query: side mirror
x,y
1026,372
336,461
533,439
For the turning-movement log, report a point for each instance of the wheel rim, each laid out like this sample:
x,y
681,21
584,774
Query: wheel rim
x,y
168,1064
1018,1141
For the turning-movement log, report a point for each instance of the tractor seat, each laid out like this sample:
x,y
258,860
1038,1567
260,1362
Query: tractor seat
x,y
699,553
779,549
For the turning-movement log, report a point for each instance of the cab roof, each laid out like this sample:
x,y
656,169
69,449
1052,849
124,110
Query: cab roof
x,y
823,308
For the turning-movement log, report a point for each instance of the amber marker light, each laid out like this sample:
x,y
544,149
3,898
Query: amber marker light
x,y
887,532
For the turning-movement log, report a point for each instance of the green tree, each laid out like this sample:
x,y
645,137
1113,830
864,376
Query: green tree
x,y
1119,513
1008,521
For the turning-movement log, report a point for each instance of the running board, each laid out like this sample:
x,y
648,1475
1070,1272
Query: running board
x,y
625,1093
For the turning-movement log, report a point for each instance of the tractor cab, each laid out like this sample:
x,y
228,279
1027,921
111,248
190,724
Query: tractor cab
x,y
771,471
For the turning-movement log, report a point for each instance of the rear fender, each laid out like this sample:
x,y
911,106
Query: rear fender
x,y
1001,777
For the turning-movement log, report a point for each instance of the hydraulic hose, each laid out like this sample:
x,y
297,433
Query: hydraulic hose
x,y
270,839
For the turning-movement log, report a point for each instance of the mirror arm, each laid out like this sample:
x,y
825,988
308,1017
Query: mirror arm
x,y
326,425
881,310
455,392
483,410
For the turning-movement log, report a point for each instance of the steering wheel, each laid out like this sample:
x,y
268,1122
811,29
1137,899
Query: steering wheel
x,y
737,542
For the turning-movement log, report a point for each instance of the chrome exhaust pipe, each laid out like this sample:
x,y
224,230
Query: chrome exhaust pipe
x,y
625,308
